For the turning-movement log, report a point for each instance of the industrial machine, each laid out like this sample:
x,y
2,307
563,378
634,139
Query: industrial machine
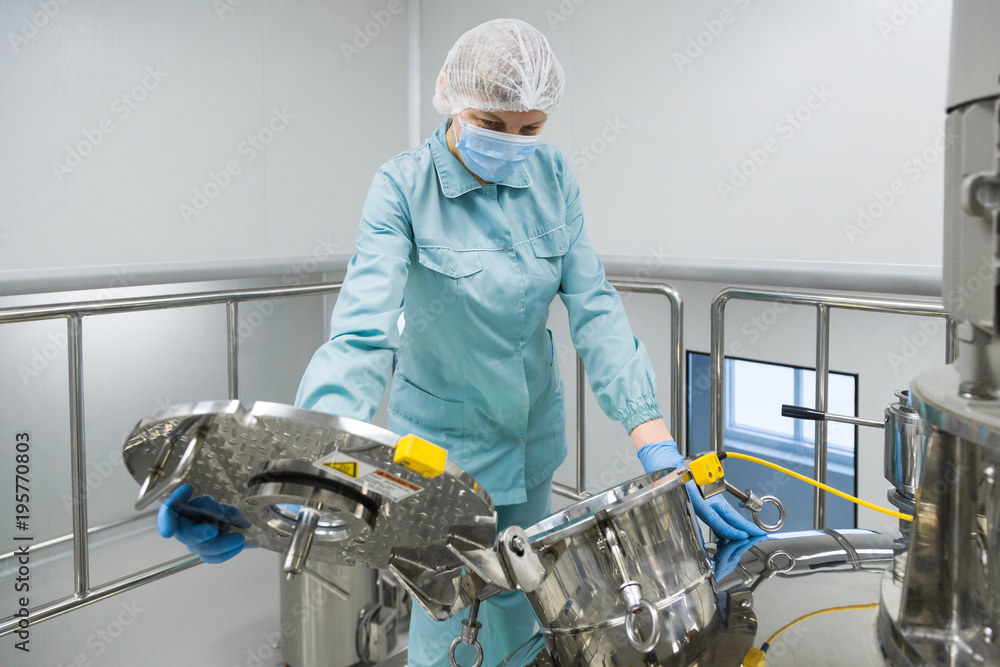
x,y
941,604
618,578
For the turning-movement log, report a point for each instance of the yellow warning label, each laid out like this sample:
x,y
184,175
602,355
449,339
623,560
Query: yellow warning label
x,y
349,468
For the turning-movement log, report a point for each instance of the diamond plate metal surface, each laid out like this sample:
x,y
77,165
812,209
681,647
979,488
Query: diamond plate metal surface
x,y
236,442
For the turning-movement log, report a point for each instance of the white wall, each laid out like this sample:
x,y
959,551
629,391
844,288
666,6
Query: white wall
x,y
677,128
206,83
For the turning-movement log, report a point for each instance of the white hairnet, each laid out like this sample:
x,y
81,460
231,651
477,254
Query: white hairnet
x,y
500,65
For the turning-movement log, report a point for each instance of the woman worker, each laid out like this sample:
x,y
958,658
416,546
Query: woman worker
x,y
470,237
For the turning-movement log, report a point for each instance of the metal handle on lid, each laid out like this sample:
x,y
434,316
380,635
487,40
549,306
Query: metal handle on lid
x,y
630,631
470,632
781,515
151,488
755,504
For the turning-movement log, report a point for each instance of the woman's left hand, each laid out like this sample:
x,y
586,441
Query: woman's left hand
x,y
720,516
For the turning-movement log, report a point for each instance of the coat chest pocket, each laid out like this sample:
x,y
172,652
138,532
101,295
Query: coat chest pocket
x,y
448,262
553,245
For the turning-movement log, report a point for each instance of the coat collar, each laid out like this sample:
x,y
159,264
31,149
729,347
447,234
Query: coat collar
x,y
455,179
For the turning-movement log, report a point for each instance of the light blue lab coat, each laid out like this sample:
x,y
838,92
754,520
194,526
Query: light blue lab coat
x,y
473,269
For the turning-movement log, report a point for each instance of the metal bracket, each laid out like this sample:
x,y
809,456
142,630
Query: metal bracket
x,y
739,609
519,560
980,194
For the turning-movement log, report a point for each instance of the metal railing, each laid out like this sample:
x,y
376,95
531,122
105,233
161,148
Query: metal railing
x,y
677,425
823,303
85,594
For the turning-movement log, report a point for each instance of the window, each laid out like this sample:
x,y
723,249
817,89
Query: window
x,y
753,395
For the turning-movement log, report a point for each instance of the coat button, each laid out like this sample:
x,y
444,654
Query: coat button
x,y
454,268
518,353
519,304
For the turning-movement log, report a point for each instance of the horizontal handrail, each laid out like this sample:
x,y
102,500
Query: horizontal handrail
x,y
132,305
914,280
93,530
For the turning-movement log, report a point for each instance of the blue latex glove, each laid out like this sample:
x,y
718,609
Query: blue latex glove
x,y
202,525
728,554
720,516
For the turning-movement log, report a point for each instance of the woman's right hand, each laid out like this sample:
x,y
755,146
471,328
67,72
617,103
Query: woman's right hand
x,y
202,525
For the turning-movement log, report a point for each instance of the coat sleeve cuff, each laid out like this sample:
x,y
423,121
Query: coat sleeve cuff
x,y
639,412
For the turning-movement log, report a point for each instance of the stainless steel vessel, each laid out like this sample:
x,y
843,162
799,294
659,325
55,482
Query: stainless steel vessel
x,y
791,581
626,578
941,605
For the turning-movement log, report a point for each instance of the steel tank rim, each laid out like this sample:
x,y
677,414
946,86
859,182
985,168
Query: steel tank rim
x,y
618,500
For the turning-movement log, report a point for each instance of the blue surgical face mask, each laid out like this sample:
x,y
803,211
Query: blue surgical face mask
x,y
492,155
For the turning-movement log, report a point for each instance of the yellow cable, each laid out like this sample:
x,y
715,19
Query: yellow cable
x,y
755,656
825,487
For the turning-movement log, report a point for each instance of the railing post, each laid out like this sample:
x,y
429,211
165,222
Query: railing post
x,y
78,456
717,425
233,348
581,426
951,340
822,383
678,417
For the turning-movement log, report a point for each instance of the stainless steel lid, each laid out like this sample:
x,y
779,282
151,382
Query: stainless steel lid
x,y
271,459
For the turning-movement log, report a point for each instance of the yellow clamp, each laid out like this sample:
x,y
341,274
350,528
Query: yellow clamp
x,y
420,456
706,469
